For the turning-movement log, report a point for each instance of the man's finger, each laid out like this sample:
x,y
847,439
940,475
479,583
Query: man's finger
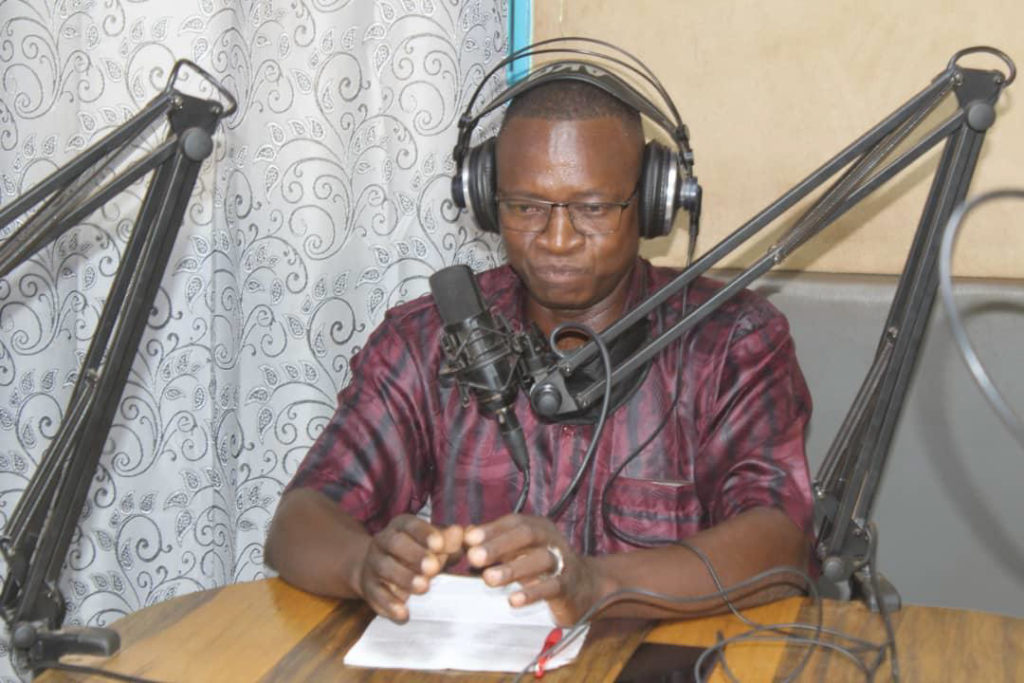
x,y
380,598
404,548
507,544
390,570
543,589
535,563
427,535
475,535
400,593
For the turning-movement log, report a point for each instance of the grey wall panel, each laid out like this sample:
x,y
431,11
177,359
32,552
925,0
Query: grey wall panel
x,y
950,510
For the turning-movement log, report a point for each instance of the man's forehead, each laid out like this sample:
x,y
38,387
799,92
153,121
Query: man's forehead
x,y
536,134
590,155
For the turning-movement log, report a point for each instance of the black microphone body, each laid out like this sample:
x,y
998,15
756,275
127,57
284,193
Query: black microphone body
x,y
480,354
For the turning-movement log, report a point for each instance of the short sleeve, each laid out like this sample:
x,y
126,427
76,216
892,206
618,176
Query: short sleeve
x,y
752,447
373,455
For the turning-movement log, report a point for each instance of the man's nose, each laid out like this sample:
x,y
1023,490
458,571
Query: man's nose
x,y
559,234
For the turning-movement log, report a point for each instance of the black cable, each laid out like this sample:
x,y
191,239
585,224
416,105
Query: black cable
x,y
719,646
524,490
606,360
886,620
784,636
671,602
788,639
684,296
509,427
602,348
659,599
977,369
676,392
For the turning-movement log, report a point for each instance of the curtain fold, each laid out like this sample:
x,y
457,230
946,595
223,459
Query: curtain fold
x,y
325,202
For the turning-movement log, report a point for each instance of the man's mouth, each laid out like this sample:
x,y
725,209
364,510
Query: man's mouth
x,y
558,273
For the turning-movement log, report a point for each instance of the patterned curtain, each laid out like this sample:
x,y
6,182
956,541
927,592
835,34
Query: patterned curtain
x,y
325,202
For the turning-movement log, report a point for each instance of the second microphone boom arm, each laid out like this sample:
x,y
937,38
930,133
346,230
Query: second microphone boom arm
x,y
845,486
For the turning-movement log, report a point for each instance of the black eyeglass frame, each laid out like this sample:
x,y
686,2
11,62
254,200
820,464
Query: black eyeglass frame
x,y
551,206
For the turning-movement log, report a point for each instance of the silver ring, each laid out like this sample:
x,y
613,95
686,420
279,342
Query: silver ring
x,y
559,561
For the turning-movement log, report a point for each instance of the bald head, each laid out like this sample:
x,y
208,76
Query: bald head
x,y
573,100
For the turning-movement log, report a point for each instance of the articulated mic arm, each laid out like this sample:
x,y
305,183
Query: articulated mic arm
x,y
846,484
38,533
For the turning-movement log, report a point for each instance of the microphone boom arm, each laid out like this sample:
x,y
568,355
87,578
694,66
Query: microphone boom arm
x,y
38,534
846,483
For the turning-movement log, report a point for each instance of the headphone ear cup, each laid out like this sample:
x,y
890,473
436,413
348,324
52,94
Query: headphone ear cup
x,y
657,199
480,183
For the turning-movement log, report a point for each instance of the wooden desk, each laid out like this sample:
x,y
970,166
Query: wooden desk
x,y
933,643
269,631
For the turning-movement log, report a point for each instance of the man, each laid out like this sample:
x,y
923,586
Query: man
x,y
707,445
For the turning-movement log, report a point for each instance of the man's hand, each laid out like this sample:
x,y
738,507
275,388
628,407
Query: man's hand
x,y
400,560
523,548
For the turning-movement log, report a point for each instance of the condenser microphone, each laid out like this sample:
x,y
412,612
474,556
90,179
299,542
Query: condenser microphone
x,y
479,354
478,350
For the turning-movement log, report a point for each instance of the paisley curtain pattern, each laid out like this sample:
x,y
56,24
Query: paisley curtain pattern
x,y
325,202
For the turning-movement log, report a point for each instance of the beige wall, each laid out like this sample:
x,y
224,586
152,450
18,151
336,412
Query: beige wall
x,y
770,90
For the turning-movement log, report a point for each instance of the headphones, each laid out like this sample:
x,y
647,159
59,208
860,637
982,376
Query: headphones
x,y
667,183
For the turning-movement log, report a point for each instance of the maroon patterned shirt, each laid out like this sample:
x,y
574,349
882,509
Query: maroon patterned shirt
x,y
734,439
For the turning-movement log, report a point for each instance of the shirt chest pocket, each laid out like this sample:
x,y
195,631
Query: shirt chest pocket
x,y
648,512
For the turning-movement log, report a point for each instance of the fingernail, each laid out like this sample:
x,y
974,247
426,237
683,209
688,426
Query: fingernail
x,y
420,583
430,566
477,556
494,576
474,536
517,599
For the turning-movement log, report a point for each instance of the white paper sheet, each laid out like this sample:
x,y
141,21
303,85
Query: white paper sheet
x,y
461,623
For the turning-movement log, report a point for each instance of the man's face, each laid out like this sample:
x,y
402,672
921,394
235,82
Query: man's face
x,y
590,160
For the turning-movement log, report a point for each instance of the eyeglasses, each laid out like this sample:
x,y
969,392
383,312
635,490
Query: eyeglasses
x,y
588,218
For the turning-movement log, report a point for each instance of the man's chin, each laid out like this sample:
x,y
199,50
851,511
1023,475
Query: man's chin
x,y
563,302
569,295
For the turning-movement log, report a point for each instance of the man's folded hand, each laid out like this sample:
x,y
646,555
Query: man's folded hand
x,y
531,551
401,559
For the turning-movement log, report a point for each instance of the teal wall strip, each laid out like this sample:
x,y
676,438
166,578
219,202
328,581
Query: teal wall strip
x,y
520,34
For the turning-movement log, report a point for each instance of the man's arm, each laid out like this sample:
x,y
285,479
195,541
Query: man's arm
x,y
515,548
739,548
314,545
343,527
318,547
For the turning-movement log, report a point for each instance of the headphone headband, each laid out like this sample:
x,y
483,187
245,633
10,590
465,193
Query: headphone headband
x,y
667,181
633,65
585,72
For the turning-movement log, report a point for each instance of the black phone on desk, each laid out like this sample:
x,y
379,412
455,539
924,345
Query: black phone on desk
x,y
662,663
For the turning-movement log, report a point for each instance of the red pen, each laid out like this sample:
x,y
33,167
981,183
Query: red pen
x,y
553,637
